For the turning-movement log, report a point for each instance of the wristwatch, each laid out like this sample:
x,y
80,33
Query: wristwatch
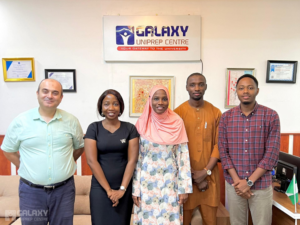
x,y
122,188
208,171
250,183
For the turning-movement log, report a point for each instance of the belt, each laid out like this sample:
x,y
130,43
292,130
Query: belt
x,y
46,187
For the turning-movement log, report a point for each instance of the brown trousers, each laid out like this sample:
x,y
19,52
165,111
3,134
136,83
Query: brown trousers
x,y
208,213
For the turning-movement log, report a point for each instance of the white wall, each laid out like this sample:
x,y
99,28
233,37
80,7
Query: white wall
x,y
67,34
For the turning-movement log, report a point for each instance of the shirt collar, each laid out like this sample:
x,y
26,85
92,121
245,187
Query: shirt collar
x,y
253,111
37,115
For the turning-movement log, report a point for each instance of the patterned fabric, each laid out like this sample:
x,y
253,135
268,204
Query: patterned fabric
x,y
162,173
248,142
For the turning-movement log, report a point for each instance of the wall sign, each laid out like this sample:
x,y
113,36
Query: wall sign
x,y
152,38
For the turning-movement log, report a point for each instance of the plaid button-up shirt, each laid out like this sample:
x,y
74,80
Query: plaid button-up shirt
x,y
248,142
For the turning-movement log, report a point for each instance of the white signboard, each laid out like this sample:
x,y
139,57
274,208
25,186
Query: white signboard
x,y
152,38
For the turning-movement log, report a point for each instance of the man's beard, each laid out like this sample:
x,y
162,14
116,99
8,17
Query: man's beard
x,y
197,99
246,103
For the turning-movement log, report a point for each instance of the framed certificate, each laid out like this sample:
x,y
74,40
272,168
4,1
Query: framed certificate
x,y
232,75
140,87
67,78
18,69
281,71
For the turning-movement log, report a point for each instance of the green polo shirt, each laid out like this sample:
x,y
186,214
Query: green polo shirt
x,y
46,150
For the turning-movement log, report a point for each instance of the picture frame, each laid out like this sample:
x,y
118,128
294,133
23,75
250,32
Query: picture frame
x,y
279,71
140,87
232,75
18,69
67,78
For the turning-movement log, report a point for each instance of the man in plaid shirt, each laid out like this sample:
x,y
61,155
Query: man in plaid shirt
x,y
249,142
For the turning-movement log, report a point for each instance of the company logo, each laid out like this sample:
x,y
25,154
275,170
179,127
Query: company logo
x,y
29,215
10,215
125,35
169,31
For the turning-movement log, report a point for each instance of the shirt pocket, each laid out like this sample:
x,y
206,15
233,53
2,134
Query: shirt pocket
x,y
62,140
207,132
258,131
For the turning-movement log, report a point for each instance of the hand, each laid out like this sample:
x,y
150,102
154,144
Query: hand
x,y
247,195
203,186
241,187
183,198
198,175
115,204
116,195
109,193
136,200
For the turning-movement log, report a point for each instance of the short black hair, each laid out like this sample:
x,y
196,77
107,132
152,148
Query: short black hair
x,y
247,75
112,92
195,74
38,90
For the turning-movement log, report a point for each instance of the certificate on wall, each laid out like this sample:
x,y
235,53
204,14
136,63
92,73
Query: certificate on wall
x,y
67,78
281,71
18,69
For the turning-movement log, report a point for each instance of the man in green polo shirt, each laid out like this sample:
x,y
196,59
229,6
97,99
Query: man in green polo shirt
x,y
49,141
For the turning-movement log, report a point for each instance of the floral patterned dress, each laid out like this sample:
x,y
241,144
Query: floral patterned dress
x,y
162,173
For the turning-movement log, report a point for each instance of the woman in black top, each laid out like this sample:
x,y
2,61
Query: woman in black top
x,y
111,148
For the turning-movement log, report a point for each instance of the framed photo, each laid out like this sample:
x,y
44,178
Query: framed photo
x,y
67,78
140,87
281,71
232,75
18,69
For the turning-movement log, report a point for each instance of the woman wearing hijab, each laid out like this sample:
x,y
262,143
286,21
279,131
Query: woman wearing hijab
x,y
162,178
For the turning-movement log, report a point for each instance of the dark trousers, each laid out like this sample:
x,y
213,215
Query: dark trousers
x,y
39,206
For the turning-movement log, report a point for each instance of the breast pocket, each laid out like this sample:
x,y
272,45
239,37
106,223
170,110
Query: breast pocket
x,y
62,140
258,131
207,132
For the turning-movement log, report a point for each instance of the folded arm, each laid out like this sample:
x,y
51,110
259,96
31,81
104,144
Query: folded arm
x,y
13,157
77,153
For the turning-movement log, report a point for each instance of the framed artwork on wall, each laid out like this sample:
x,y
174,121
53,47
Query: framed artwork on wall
x,y
279,71
67,78
140,87
232,75
18,69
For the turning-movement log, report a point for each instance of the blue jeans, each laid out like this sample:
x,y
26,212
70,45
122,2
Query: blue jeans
x,y
39,206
